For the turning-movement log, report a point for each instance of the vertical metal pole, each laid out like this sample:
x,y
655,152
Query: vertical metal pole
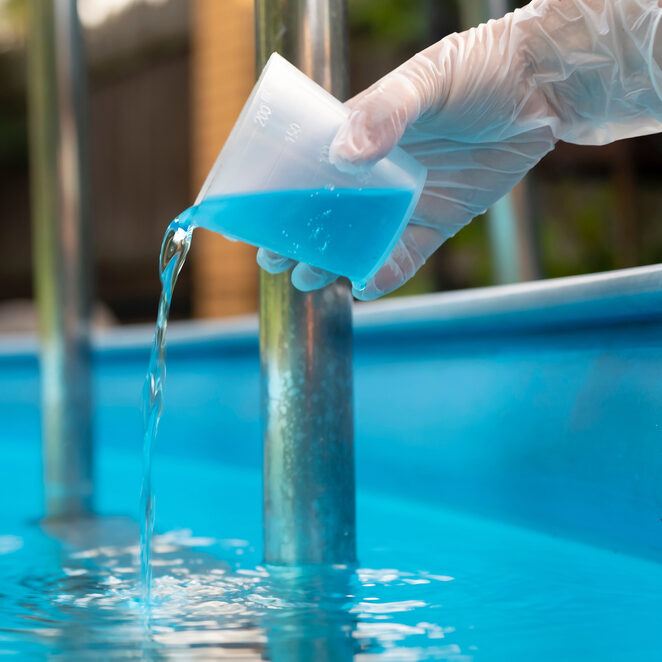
x,y
60,223
512,241
306,344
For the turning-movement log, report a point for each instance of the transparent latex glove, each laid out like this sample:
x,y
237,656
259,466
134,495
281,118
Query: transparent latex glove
x,y
479,109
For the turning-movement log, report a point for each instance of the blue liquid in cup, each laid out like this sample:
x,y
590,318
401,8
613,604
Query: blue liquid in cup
x,y
345,231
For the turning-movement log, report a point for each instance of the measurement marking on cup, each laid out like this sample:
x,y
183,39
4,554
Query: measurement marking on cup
x,y
263,114
293,132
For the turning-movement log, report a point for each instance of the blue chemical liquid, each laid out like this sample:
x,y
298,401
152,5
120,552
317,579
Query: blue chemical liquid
x,y
345,231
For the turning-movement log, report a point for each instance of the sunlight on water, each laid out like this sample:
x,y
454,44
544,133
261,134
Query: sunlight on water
x,y
77,594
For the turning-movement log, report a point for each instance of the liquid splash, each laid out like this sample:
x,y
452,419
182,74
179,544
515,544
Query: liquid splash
x,y
174,249
76,598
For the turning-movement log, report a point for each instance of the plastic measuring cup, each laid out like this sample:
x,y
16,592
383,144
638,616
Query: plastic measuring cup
x,y
273,185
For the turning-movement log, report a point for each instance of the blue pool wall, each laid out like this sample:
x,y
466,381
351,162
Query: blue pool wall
x,y
536,403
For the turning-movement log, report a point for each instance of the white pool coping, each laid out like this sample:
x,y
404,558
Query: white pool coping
x,y
624,294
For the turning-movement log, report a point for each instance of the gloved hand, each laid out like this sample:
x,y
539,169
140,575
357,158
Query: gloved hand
x,y
481,108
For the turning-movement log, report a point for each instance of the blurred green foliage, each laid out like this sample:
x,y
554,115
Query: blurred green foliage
x,y
393,22
575,234
650,206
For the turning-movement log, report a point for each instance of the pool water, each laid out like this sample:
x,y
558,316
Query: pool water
x,y
432,584
328,228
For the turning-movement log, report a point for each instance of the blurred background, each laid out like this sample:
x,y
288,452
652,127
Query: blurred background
x,y
166,80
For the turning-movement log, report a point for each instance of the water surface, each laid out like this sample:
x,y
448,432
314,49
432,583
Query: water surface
x,y
432,584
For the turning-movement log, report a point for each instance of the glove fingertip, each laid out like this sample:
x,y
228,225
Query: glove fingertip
x,y
307,278
272,262
355,147
367,293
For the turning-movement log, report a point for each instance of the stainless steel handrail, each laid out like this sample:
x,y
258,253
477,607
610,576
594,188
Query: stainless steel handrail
x,y
60,221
